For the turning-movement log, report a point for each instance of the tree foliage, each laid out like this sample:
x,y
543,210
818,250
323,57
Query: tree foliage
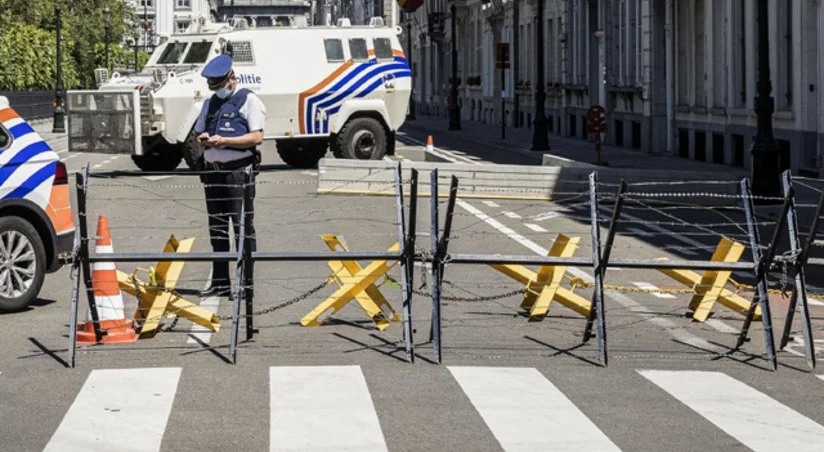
x,y
28,54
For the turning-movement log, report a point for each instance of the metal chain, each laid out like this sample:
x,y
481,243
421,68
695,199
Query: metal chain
x,y
285,304
461,299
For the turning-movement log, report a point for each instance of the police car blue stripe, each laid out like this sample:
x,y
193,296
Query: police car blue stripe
x,y
33,181
379,70
364,92
21,129
331,90
22,157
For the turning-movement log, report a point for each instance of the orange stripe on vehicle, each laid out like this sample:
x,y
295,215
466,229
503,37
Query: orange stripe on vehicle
x,y
59,209
8,113
315,89
398,53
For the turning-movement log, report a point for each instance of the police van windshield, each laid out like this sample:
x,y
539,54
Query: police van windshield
x,y
172,53
198,52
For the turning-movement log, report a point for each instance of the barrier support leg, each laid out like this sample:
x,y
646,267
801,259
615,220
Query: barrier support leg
x,y
404,262
239,279
800,284
82,214
613,229
410,267
248,262
73,313
598,271
760,274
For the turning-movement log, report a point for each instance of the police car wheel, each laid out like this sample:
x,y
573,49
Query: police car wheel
x,y
22,263
361,139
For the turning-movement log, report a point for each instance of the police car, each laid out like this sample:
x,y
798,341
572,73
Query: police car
x,y
342,88
36,220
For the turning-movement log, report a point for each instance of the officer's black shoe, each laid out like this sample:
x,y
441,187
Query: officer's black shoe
x,y
217,291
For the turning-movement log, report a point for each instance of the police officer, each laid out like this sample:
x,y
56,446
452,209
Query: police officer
x,y
229,129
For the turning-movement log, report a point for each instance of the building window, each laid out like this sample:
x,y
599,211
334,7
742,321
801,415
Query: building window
x,y
739,50
182,26
147,3
700,49
785,55
183,4
719,39
334,50
682,35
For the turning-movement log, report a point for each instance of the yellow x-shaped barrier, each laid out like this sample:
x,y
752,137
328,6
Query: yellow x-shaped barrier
x,y
156,297
358,283
709,287
545,286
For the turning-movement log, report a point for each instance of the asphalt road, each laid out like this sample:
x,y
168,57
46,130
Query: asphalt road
x,y
505,383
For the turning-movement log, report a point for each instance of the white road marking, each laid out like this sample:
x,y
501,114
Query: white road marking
x,y
512,215
309,173
535,227
648,286
448,155
322,408
156,178
721,326
118,408
115,157
750,416
821,376
201,334
669,326
509,399
546,216
97,166
657,228
491,203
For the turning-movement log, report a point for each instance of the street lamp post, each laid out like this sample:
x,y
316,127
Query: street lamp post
x,y
411,115
765,153
540,137
454,111
107,16
59,124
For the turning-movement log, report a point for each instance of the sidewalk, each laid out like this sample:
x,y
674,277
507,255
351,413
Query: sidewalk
x,y
515,149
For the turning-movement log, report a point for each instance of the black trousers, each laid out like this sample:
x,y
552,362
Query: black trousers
x,y
224,204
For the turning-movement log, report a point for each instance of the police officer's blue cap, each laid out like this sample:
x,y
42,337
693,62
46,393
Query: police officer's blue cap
x,y
217,71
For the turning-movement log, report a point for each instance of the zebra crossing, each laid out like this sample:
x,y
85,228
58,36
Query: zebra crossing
x,y
332,408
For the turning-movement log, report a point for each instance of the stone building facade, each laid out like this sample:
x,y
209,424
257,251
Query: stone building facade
x,y
677,77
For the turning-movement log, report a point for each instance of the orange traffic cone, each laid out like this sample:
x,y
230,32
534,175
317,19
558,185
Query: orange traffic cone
x,y
429,146
107,296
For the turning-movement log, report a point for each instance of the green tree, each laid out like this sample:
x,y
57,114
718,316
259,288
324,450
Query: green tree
x,y
28,42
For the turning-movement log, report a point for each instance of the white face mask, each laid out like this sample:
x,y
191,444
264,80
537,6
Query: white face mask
x,y
223,93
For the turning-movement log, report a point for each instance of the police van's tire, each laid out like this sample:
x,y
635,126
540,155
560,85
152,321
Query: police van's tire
x,y
361,139
25,257
191,151
160,157
300,153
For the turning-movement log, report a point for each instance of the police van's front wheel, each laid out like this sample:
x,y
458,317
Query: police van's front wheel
x,y
361,139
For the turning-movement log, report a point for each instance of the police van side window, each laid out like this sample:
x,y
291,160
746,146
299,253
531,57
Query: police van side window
x,y
357,47
334,50
241,52
383,49
5,138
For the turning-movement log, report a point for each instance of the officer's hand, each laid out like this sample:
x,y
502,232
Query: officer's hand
x,y
215,141
203,137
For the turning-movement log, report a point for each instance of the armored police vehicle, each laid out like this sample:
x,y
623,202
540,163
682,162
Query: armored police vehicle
x,y
342,88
